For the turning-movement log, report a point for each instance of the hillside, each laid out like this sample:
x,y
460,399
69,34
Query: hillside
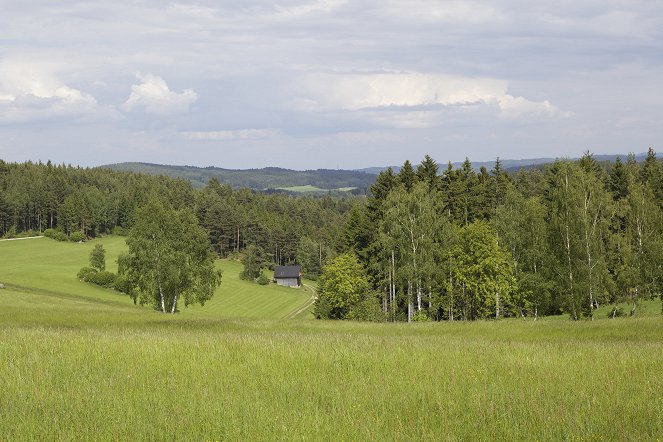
x,y
322,180
47,267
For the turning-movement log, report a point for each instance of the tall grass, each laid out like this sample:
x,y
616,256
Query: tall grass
x,y
80,369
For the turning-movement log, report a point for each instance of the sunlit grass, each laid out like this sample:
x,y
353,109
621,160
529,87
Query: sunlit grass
x,y
51,266
82,363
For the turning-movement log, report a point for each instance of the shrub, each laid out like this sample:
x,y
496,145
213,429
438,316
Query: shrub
x,y
121,284
85,273
55,234
77,237
102,278
420,316
368,309
262,279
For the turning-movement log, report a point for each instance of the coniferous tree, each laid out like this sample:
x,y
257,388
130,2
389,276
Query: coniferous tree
x,y
406,176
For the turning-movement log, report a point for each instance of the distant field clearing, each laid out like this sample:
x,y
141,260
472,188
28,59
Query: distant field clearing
x,y
309,188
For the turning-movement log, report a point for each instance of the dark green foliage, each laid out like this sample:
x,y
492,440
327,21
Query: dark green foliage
x,y
77,236
85,272
262,279
257,179
102,278
406,176
427,173
253,262
55,234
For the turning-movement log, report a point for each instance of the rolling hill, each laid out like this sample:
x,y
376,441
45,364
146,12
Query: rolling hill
x,y
274,178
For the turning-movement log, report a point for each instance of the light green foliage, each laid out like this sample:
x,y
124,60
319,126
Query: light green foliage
x,y
169,258
342,286
483,271
98,257
413,229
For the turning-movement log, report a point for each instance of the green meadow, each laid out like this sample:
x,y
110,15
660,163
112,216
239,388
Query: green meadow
x,y
309,188
51,266
83,363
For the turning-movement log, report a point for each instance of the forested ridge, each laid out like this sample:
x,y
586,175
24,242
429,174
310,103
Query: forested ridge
x,y
426,244
257,179
36,197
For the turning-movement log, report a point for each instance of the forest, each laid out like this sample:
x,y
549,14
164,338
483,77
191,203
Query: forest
x,y
424,244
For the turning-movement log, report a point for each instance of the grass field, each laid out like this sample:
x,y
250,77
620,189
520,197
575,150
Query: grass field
x,y
89,365
51,266
310,188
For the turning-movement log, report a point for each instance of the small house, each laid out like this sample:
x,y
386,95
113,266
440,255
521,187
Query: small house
x,y
289,276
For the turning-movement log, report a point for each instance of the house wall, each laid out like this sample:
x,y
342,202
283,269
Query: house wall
x,y
288,282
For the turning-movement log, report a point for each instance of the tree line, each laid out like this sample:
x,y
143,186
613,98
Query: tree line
x,y
425,244
76,203
460,244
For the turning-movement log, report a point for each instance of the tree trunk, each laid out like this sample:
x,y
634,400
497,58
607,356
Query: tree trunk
x,y
161,298
174,305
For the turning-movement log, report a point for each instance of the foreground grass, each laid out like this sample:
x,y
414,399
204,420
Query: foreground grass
x,y
50,267
85,369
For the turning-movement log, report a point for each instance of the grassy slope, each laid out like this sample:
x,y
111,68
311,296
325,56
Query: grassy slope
x,y
94,367
47,265
81,369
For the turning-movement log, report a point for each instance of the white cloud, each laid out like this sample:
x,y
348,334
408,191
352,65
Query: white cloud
x,y
412,99
154,96
361,91
33,91
518,107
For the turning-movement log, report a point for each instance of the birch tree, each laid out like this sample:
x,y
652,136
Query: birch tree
x,y
169,259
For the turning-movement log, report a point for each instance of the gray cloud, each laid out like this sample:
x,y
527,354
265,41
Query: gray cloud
x,y
333,83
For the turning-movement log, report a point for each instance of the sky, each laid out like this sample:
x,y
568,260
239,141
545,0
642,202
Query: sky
x,y
309,84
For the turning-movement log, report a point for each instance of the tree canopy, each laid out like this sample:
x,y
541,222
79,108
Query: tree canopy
x,y
169,258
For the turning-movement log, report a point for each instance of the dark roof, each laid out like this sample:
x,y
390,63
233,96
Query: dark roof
x,y
287,271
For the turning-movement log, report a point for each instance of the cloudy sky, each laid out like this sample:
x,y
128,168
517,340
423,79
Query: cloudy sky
x,y
327,83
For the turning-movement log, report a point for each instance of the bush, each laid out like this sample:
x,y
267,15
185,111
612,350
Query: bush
x,y
77,237
368,309
262,279
85,273
103,279
55,234
121,284
420,316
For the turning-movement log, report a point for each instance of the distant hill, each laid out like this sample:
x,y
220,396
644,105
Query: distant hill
x,y
509,165
268,178
275,179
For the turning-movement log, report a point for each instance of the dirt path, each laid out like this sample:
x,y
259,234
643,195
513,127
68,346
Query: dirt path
x,y
306,305
18,239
